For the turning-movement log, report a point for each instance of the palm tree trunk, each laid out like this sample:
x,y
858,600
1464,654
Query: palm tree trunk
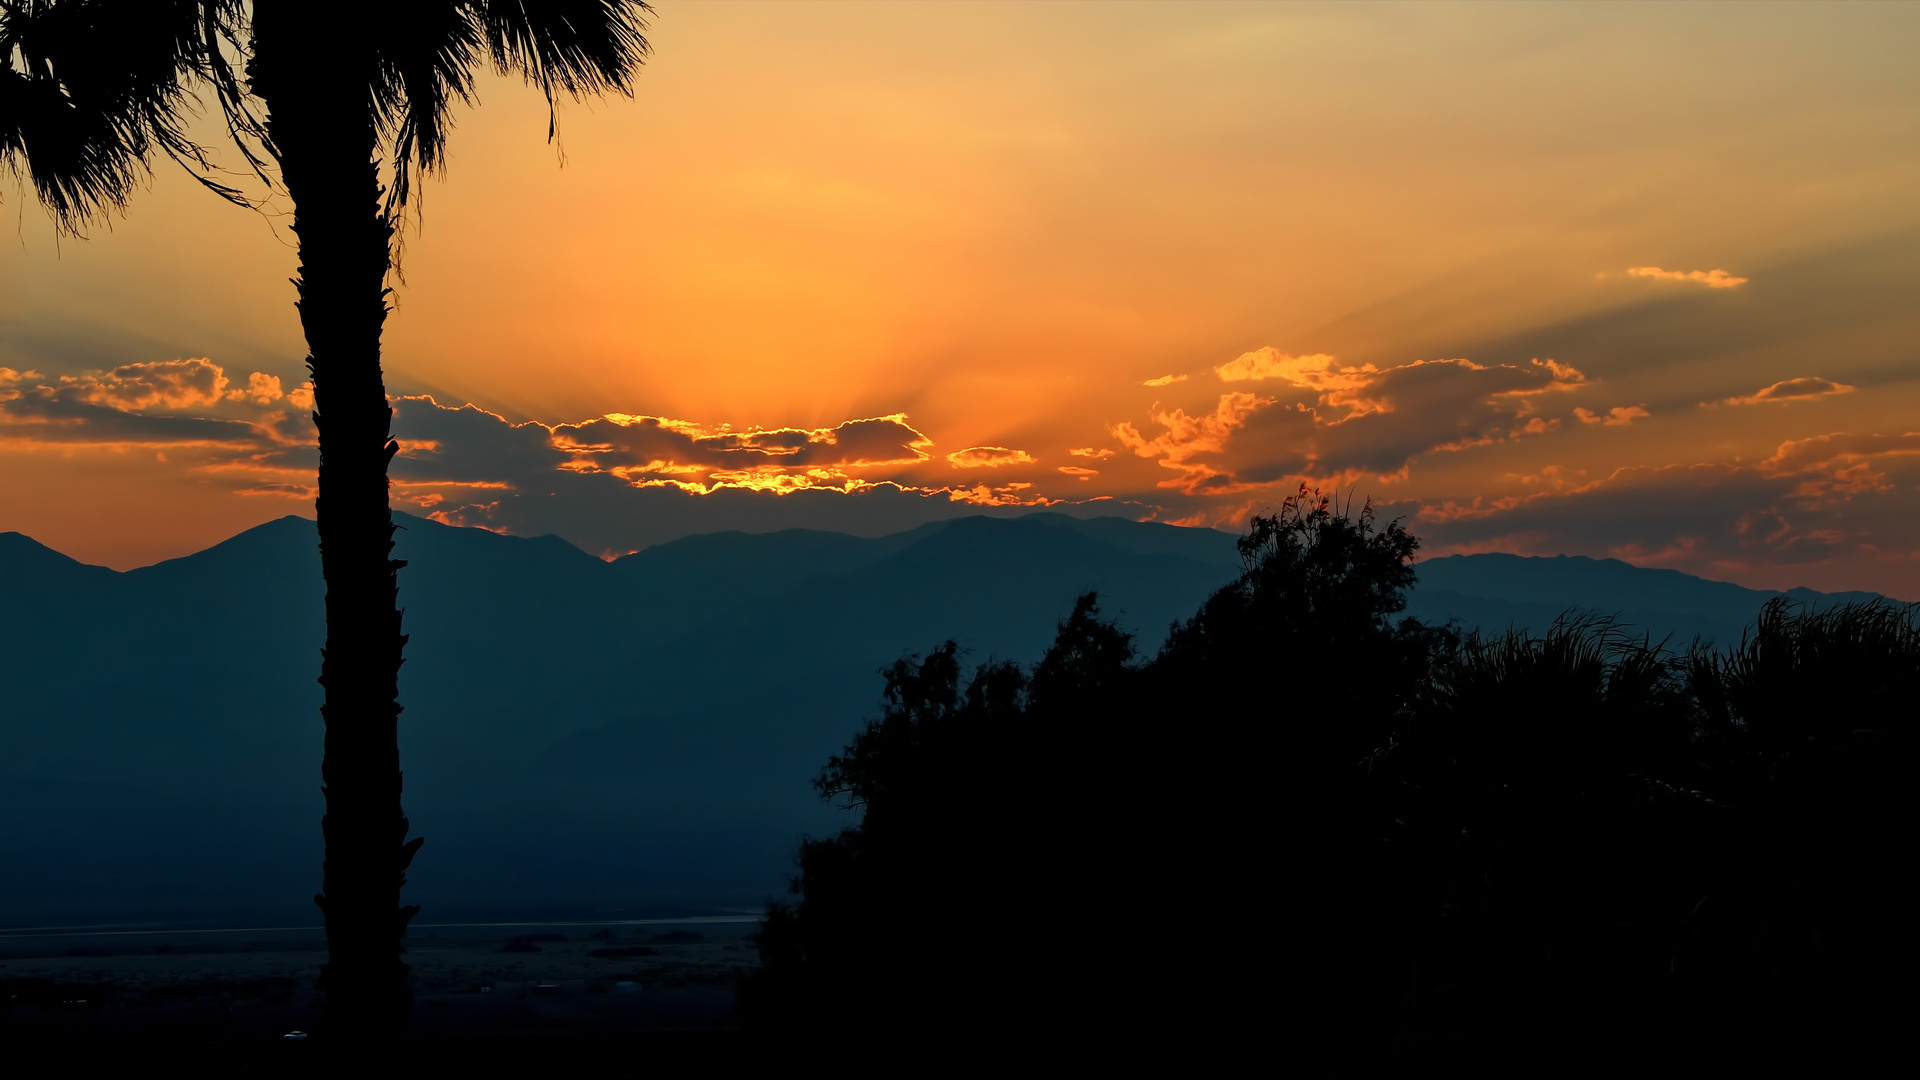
x,y
323,130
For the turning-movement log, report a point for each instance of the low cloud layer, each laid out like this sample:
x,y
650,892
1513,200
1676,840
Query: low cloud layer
x,y
156,404
1806,389
661,450
1618,416
988,457
1833,511
1712,279
621,482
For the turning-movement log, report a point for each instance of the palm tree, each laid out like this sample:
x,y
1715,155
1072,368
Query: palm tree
x,y
324,99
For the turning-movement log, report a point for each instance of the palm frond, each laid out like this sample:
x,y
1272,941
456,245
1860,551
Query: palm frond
x,y
429,52
576,47
226,37
426,59
88,89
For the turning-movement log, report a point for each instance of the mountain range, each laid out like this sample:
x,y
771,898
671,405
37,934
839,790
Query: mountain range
x,y
581,737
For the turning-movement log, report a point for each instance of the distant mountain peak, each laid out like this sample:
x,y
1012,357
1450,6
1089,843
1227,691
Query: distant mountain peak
x,y
25,561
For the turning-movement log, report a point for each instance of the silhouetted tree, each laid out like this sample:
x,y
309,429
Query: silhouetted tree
x,y
326,93
982,801
1096,794
1288,681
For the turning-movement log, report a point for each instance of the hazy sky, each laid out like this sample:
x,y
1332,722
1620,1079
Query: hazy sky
x,y
1628,280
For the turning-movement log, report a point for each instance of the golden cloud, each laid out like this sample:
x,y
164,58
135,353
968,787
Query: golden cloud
x,y
1089,452
1165,380
1804,389
1364,388
988,457
1712,279
1316,369
1618,416
1352,420
982,495
285,491
171,384
1078,472
1838,448
261,389
109,408
1188,437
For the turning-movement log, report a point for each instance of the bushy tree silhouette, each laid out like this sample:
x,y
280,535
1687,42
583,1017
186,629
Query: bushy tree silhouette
x,y
1106,792
977,803
318,97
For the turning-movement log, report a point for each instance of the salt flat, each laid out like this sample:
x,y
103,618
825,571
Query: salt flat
x,y
251,985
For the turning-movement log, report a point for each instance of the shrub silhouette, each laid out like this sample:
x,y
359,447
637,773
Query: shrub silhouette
x,y
1806,943
1549,837
1613,851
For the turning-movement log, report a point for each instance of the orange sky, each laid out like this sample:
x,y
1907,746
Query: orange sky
x,y
1345,232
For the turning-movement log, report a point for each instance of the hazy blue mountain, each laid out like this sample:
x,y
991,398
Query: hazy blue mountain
x,y
579,735
28,567
583,732
1495,591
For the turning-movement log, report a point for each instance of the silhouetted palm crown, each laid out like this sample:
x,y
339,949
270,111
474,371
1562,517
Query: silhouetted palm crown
x,y
91,88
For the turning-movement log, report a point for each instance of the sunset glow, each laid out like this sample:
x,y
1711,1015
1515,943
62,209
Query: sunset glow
x,y
1609,280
